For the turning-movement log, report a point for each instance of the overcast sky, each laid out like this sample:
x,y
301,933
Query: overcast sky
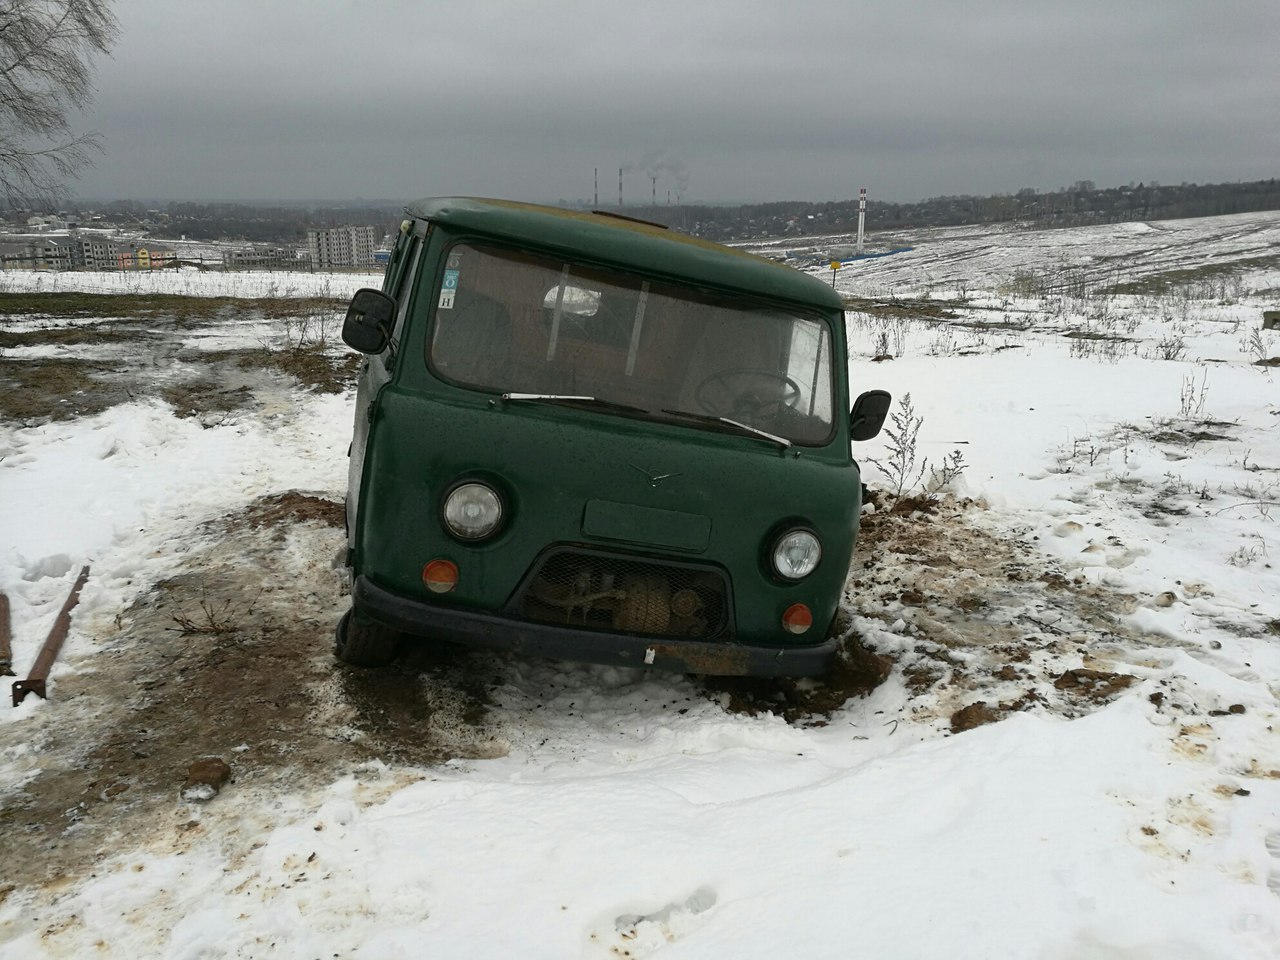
x,y
721,101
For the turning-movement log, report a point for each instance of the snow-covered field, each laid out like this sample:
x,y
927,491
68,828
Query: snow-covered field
x,y
1074,755
191,283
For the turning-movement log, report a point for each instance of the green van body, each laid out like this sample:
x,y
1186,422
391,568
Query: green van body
x,y
628,535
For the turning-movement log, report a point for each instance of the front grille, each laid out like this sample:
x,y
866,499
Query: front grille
x,y
610,592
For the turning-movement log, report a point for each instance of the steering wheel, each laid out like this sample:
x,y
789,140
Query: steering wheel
x,y
747,394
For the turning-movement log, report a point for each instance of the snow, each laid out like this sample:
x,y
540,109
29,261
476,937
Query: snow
x,y
190,282
614,813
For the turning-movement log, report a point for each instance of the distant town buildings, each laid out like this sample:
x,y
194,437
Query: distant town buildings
x,y
128,237
91,251
144,259
342,247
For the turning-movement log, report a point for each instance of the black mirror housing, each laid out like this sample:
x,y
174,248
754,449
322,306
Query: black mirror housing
x,y
369,320
868,413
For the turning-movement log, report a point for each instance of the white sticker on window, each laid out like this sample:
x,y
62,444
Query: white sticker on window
x,y
448,289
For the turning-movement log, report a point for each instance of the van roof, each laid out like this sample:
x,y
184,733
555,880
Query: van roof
x,y
602,238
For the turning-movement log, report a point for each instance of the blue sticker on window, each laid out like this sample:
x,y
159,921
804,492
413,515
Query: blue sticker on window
x,y
451,280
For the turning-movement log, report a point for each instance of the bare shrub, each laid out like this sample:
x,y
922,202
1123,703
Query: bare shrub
x,y
214,618
1192,398
1255,345
900,468
943,476
46,52
1171,347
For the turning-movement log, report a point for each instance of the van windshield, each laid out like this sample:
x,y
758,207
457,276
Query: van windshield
x,y
513,322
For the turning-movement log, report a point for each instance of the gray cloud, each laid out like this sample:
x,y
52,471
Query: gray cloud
x,y
732,101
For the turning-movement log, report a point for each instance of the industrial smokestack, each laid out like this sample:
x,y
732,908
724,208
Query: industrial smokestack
x,y
619,188
595,196
862,215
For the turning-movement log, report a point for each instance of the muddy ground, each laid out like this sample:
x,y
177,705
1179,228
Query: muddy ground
x,y
101,350
230,658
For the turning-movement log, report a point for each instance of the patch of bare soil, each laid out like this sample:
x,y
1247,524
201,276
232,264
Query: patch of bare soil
x,y
277,509
57,388
205,396
983,325
310,364
197,383
974,715
1095,335
807,701
204,385
1188,436
229,659
154,305
106,332
921,309
985,624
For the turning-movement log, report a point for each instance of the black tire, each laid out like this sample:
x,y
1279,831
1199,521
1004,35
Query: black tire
x,y
364,643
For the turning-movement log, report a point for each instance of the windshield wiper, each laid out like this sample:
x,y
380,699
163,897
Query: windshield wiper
x,y
567,398
703,418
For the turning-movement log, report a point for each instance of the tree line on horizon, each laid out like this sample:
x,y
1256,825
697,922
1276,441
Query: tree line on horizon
x,y
1080,204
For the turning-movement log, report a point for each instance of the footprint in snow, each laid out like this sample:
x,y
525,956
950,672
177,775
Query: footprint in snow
x,y
1273,875
636,935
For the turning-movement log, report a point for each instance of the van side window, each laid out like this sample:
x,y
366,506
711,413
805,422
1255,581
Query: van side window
x,y
394,275
404,284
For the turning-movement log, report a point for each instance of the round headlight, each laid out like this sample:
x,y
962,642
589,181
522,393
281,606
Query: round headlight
x,y
796,553
472,511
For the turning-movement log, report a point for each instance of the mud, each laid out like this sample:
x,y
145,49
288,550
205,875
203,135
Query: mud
x,y
809,701
1096,685
56,389
985,623
974,715
147,331
158,306
230,658
916,309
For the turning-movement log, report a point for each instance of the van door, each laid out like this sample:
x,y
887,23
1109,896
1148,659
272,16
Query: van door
x,y
377,369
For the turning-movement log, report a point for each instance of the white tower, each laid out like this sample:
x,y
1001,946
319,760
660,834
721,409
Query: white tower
x,y
862,215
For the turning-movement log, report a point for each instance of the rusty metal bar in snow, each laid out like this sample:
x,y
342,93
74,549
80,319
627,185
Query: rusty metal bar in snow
x,y
6,639
35,682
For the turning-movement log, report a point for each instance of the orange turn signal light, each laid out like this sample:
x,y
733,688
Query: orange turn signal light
x,y
797,619
440,576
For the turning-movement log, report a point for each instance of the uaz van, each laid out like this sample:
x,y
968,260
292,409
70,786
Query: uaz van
x,y
587,437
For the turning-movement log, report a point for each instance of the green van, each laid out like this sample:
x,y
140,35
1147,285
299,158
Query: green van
x,y
587,437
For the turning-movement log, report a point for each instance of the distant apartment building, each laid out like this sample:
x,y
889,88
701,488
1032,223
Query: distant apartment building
x,y
41,254
50,253
266,258
95,252
342,247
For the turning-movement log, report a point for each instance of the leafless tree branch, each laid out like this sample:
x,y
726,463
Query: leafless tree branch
x,y
46,53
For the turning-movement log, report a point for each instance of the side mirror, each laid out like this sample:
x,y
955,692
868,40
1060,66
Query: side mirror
x,y
868,413
369,321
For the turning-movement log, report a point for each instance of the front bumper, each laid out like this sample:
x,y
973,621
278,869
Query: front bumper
x,y
561,642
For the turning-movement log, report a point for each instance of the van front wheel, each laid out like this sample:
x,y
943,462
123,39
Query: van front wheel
x,y
364,643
